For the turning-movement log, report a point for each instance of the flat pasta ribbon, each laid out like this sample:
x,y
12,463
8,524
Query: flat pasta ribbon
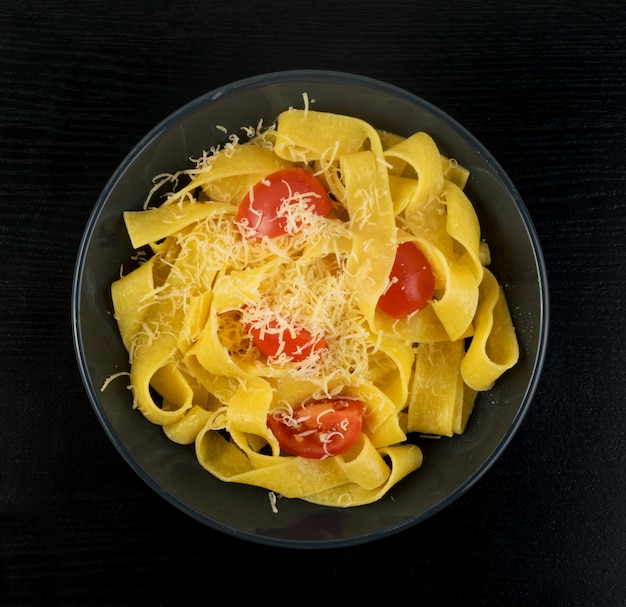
x,y
374,232
421,154
494,347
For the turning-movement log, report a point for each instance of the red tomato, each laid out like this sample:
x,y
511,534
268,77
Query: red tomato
x,y
412,283
297,343
318,429
264,211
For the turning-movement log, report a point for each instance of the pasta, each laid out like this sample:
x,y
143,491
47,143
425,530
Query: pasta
x,y
188,313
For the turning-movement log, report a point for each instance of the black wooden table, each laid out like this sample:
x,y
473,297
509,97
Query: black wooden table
x,y
541,84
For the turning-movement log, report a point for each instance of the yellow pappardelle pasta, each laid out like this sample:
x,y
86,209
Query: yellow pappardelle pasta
x,y
211,295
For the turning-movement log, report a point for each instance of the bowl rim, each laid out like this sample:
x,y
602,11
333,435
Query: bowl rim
x,y
327,77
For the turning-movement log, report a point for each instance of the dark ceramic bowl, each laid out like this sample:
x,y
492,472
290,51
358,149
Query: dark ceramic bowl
x,y
451,466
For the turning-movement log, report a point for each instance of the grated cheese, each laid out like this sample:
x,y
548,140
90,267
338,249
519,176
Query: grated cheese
x,y
272,498
111,378
305,98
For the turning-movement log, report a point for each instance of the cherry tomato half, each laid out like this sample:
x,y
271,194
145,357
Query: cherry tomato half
x,y
297,343
263,211
412,283
318,429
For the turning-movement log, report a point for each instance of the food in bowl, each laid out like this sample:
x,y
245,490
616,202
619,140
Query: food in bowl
x,y
307,301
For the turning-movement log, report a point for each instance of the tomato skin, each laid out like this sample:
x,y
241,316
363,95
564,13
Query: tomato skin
x,y
258,213
297,345
318,429
412,283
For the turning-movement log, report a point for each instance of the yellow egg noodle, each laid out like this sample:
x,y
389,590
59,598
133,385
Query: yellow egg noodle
x,y
179,313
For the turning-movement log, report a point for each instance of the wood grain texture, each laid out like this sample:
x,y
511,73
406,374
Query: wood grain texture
x,y
541,84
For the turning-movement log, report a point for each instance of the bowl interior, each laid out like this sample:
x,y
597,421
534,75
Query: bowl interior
x,y
450,465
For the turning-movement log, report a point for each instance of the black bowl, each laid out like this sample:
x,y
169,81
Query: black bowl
x,y
450,466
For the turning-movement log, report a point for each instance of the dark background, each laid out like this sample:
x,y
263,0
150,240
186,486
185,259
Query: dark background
x,y
541,84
